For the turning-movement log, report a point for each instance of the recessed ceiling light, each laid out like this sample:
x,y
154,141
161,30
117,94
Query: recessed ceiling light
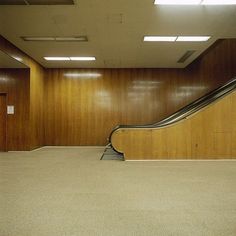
x,y
82,58
177,2
176,38
195,2
193,38
58,39
160,38
38,38
57,58
218,2
70,58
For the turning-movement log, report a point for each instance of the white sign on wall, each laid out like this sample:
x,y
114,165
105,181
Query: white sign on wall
x,y
10,110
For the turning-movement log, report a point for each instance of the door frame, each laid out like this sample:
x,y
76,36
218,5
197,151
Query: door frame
x,y
6,143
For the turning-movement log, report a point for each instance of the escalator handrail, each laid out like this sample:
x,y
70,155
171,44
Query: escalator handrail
x,y
187,110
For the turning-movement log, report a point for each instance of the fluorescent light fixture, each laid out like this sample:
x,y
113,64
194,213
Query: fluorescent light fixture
x,y
177,2
38,38
82,58
195,2
160,38
193,38
57,39
175,38
57,58
70,58
218,2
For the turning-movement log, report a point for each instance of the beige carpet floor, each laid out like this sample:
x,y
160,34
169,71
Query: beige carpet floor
x,y
70,192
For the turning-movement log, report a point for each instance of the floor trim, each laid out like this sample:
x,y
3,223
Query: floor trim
x,y
184,160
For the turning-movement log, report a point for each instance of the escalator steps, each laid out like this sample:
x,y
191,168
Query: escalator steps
x,y
110,154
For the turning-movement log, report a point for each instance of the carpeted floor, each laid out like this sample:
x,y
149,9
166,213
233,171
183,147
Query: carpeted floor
x,y
70,192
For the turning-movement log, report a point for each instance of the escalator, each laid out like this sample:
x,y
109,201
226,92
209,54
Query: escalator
x,y
186,111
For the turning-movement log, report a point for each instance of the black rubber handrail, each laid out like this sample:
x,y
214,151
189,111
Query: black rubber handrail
x,y
188,110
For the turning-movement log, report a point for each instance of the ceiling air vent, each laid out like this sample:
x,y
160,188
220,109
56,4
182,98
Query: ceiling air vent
x,y
36,2
12,2
186,56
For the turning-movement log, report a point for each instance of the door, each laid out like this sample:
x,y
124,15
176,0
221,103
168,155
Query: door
x,y
3,123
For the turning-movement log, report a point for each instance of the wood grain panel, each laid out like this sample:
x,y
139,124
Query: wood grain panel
x,y
14,52
196,138
3,123
36,106
15,83
27,95
82,109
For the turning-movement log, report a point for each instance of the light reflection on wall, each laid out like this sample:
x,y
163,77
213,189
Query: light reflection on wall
x,y
183,94
192,88
145,85
187,91
103,99
4,79
18,58
146,82
140,90
136,94
82,75
103,93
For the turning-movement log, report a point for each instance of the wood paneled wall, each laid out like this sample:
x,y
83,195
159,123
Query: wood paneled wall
x,y
37,75
15,83
209,134
217,64
25,91
81,106
3,122
84,105
82,109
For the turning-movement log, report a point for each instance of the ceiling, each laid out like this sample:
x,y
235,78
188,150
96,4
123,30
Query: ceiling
x,y
9,62
115,30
